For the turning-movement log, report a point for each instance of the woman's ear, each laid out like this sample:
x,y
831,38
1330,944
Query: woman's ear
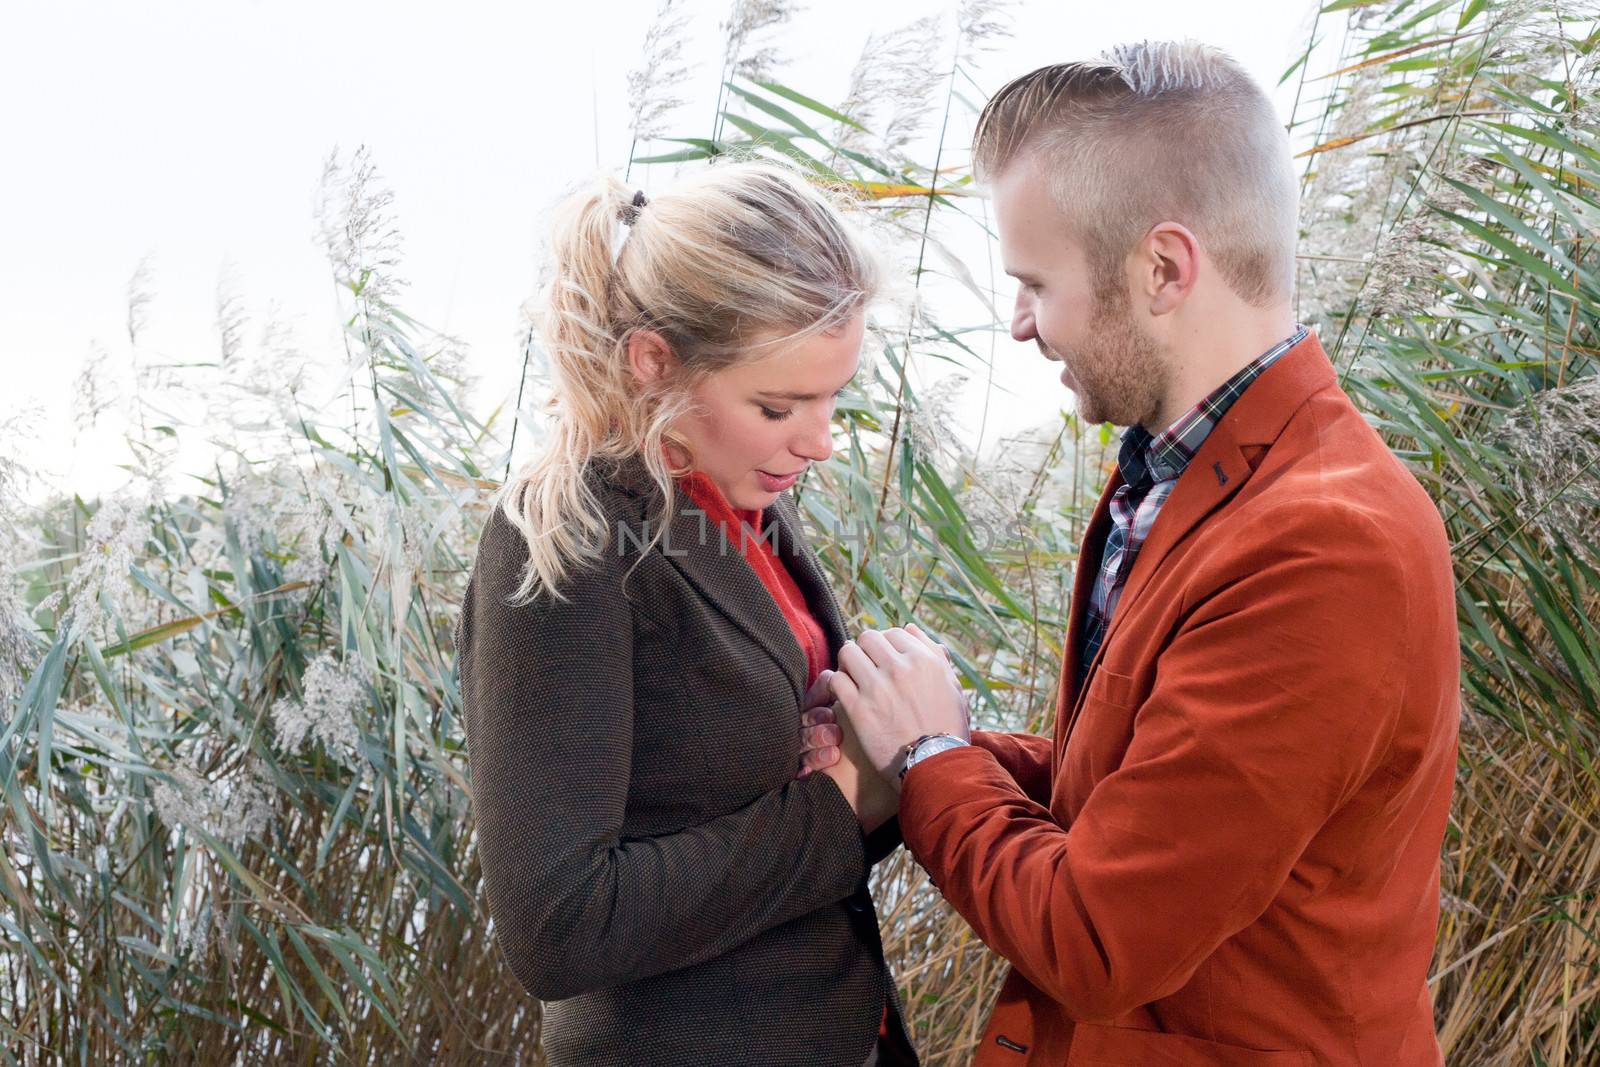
x,y
649,356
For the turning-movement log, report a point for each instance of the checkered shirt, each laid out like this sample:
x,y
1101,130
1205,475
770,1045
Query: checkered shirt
x,y
1150,466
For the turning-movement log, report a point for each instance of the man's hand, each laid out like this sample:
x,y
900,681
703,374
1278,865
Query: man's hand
x,y
894,686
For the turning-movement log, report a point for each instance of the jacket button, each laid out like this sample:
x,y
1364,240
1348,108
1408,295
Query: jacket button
x,y
856,904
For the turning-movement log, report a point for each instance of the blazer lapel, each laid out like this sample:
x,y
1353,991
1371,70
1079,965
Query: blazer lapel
x,y
1220,468
1088,566
714,564
798,556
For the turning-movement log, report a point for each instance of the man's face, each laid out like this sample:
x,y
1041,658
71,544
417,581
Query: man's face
x,y
1085,323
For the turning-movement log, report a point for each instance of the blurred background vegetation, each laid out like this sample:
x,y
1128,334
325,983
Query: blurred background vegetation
x,y
236,812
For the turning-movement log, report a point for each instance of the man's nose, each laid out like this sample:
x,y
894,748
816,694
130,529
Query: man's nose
x,y
1022,320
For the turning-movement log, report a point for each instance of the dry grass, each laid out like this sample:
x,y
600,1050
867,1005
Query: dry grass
x,y
184,880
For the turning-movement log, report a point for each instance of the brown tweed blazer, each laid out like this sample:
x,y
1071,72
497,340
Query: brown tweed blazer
x,y
655,873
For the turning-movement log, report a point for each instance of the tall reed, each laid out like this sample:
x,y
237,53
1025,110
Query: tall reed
x,y
235,802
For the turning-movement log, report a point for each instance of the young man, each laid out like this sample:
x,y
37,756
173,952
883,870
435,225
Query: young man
x,y
1229,853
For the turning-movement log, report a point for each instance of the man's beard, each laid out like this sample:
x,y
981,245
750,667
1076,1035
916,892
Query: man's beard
x,y
1121,378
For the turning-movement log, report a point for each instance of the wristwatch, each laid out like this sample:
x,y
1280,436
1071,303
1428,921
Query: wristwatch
x,y
928,745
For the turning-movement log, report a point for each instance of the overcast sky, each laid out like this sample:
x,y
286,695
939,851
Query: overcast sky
x,y
193,134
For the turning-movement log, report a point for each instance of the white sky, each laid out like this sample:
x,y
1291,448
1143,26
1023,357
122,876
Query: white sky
x,y
194,133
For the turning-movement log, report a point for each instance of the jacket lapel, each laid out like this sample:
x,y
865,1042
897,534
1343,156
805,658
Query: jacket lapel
x,y
1088,567
714,564
798,556
1218,470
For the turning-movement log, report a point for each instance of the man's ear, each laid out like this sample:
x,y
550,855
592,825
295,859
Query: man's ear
x,y
649,356
1168,265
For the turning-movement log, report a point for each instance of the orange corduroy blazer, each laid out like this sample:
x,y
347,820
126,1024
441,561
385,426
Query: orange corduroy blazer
x,y
1228,854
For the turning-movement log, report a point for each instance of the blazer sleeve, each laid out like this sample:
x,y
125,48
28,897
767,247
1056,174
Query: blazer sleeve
x,y
1027,758
1273,702
882,841
547,696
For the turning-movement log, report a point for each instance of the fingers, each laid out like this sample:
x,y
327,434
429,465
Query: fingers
x,y
908,640
853,663
878,648
818,716
821,736
922,635
892,651
818,759
903,642
820,692
845,691
913,646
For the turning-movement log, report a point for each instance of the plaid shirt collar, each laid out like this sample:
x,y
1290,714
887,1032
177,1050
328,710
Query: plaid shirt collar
x,y
1147,459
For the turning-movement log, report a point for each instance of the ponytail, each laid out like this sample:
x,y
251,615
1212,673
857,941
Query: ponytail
x,y
739,259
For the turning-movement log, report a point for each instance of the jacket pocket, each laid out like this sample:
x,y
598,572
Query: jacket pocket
x,y
1094,1045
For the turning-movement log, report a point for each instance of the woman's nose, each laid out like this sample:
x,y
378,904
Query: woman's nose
x,y
816,443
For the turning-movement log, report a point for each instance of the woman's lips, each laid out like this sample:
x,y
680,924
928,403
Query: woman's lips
x,y
773,483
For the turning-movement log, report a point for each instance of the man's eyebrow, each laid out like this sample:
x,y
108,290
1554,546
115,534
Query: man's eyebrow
x,y
1022,275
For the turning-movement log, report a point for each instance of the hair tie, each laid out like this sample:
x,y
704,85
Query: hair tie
x,y
627,215
630,214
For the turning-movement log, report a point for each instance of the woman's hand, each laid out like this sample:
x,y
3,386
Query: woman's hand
x,y
819,734
828,747
820,738
871,796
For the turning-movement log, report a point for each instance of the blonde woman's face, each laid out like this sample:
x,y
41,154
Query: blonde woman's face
x,y
757,426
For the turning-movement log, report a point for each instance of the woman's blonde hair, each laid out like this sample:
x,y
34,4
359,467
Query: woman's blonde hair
x,y
737,261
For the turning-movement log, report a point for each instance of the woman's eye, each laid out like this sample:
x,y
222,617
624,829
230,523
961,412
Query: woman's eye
x,y
775,416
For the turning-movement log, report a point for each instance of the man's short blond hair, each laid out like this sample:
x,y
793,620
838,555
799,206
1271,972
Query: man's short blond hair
x,y
1157,132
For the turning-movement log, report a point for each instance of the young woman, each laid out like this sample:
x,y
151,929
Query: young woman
x,y
662,870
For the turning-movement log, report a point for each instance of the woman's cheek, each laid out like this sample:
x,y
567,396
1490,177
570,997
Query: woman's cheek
x,y
762,440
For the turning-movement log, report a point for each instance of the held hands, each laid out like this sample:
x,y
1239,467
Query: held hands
x,y
828,748
895,686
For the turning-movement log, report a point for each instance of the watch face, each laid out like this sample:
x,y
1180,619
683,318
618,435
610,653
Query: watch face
x,y
933,746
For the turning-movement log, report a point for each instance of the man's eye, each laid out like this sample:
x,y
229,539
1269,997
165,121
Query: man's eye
x,y
775,416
